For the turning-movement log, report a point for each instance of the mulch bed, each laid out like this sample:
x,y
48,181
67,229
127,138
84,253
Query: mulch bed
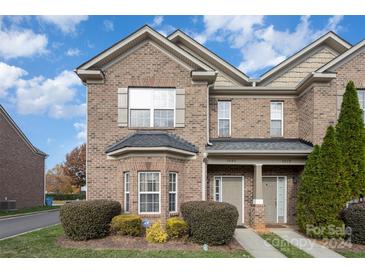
x,y
116,242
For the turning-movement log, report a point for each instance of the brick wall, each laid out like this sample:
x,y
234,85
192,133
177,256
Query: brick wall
x,y
21,170
250,117
147,66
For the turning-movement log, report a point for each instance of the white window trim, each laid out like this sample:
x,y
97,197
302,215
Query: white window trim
x,y
127,192
152,110
220,178
176,191
363,109
282,118
230,117
220,188
149,192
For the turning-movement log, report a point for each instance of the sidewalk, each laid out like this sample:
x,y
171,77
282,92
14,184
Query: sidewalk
x,y
305,244
255,245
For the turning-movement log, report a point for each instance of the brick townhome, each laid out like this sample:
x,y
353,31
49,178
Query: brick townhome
x,y
21,166
169,121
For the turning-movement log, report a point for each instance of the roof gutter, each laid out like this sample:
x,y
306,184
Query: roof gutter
x,y
90,76
260,152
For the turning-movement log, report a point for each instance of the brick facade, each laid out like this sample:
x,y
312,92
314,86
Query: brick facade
x,y
21,169
306,116
146,67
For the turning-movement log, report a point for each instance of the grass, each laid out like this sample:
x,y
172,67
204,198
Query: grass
x,y
26,210
284,247
351,254
42,244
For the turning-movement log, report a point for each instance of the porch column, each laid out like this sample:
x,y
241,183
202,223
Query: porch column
x,y
257,220
258,198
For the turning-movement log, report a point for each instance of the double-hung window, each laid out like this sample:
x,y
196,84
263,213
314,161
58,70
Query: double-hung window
x,y
224,118
149,192
126,191
276,122
361,94
173,192
152,107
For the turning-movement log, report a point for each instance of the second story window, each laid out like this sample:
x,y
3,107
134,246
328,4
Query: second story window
x,y
152,107
361,94
276,119
224,118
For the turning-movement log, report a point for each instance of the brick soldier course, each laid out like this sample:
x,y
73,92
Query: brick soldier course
x,y
309,91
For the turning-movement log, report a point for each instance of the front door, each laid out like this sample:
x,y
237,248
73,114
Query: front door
x,y
232,193
269,189
274,190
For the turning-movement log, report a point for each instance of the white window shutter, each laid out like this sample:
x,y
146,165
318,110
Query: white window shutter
x,y
180,108
122,107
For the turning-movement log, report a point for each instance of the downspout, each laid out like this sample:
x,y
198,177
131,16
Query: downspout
x,y
208,113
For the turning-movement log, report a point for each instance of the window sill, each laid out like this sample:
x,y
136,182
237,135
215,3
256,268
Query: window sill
x,y
151,128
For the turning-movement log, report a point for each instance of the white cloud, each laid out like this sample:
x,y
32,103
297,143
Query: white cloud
x,y
55,97
157,21
73,52
66,23
261,45
17,42
81,131
9,76
108,25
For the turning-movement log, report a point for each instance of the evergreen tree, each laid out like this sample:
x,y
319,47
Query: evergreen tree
x,y
308,198
323,191
351,139
334,187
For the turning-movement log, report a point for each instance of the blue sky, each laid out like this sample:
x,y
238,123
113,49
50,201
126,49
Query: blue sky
x,y
45,98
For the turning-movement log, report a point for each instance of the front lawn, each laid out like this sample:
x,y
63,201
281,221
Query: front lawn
x,y
284,247
43,244
26,210
351,254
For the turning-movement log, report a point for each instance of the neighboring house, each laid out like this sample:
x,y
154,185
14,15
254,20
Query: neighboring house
x,y
22,171
169,122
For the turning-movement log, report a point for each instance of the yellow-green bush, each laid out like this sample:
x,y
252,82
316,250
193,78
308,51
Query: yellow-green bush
x,y
156,233
176,227
127,224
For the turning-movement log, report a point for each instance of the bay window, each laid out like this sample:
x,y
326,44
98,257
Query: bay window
x,y
149,192
152,107
126,192
276,119
173,192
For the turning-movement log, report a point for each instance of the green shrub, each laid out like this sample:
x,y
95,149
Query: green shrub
x,y
210,222
351,138
127,224
88,219
176,227
354,219
156,233
67,197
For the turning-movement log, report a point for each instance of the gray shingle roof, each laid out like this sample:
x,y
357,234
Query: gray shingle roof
x,y
153,139
261,144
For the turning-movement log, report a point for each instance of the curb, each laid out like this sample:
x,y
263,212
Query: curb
x,y
27,214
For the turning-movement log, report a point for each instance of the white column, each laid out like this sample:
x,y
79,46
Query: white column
x,y
258,198
204,180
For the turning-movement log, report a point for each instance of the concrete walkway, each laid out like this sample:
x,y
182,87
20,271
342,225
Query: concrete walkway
x,y
305,244
255,245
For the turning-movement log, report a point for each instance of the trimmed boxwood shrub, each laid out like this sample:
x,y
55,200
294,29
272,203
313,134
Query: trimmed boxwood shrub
x,y
354,218
67,197
210,222
127,224
88,219
177,227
